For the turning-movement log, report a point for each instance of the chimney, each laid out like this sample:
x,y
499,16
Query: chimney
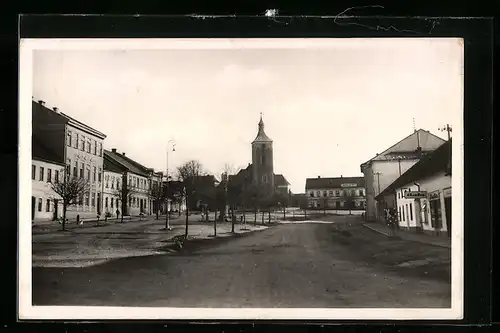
x,y
341,176
56,109
41,102
113,150
319,177
123,153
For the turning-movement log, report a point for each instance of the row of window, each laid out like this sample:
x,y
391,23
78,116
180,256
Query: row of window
x,y
48,176
48,207
337,204
91,173
137,182
82,143
113,180
336,193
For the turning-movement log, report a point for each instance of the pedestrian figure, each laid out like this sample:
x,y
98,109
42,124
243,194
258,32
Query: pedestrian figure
x,y
117,213
78,221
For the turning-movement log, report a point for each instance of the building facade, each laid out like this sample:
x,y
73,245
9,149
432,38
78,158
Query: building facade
x,y
423,194
134,183
341,193
45,203
383,169
111,192
79,147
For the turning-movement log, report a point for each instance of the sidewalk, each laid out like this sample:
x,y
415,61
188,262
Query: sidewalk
x,y
89,246
411,236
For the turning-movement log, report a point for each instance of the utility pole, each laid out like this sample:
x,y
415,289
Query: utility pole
x,y
167,210
447,128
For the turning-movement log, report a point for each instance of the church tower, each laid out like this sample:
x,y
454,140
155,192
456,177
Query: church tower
x,y
262,159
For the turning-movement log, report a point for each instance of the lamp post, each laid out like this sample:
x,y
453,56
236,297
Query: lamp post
x,y
170,144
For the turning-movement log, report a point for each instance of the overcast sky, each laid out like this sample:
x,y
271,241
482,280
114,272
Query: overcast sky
x,y
327,109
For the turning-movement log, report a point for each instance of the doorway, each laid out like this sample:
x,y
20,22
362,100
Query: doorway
x,y
33,206
56,210
447,208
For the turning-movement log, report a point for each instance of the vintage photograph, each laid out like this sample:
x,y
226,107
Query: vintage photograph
x,y
241,178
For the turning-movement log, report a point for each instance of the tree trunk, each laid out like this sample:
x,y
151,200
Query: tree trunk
x,y
284,212
65,206
187,221
215,225
262,217
255,216
305,213
232,219
167,217
157,210
269,215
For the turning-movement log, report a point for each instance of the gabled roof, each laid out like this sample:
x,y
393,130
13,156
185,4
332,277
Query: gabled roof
x,y
438,161
280,180
125,162
408,145
335,182
42,153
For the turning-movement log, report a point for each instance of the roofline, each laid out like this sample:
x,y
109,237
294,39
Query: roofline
x,y
86,128
382,153
391,186
47,161
125,167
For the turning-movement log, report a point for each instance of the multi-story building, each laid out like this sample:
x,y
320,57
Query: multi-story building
x,y
423,193
336,193
155,181
80,147
46,169
384,168
134,187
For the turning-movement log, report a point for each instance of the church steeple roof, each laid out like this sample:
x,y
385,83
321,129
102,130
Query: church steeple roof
x,y
261,135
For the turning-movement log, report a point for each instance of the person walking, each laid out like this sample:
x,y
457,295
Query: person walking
x,y
117,214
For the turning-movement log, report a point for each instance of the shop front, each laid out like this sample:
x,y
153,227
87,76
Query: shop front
x,y
447,208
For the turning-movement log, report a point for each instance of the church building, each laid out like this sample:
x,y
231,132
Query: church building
x,y
260,173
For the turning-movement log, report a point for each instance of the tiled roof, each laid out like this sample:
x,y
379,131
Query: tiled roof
x,y
336,182
261,135
129,164
40,152
280,180
438,161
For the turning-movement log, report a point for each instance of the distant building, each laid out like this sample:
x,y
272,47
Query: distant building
x,y
336,193
79,147
134,182
46,168
384,168
432,177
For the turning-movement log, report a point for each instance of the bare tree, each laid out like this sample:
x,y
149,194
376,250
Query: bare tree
x,y
349,200
188,173
157,194
70,190
124,194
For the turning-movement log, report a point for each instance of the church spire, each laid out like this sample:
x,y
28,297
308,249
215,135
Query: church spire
x,y
261,135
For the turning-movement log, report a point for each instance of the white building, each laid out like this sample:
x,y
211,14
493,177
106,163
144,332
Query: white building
x,y
134,183
45,203
341,193
78,146
384,168
428,208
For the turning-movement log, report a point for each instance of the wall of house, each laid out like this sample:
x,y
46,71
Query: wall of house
x,y
139,197
389,172
336,198
84,153
111,194
43,197
437,187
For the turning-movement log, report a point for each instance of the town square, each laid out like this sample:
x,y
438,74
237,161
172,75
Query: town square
x,y
244,177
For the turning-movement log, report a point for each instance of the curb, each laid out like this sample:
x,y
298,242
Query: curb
x,y
373,229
